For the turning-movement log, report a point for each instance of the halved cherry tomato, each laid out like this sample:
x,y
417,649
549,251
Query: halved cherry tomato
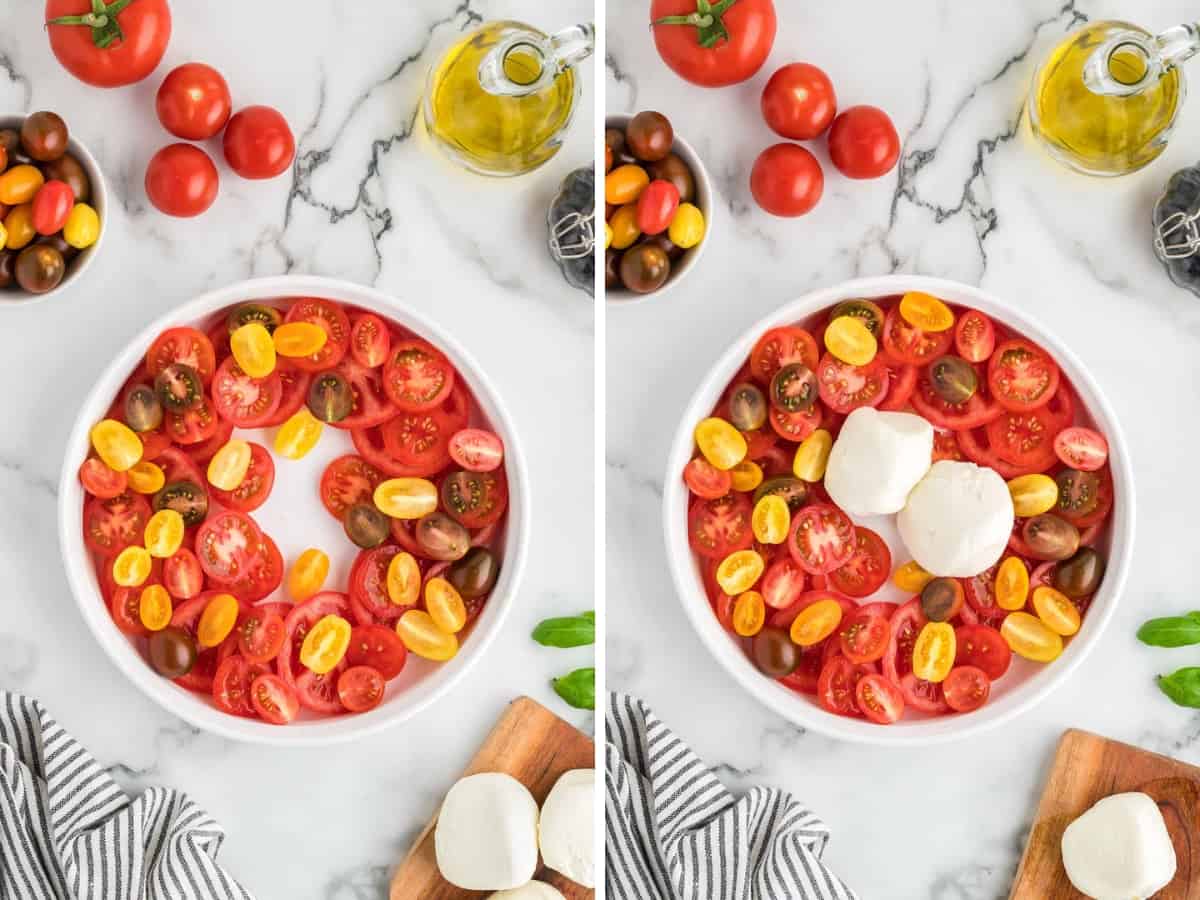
x,y
370,340
348,480
976,411
945,446
822,538
845,387
476,450
780,347
1075,505
718,527
867,569
982,646
878,699
702,478
838,685
101,481
795,426
369,598
1022,376
782,583
293,391
332,318
974,336
231,685
1025,439
865,637
193,426
370,404
182,574
255,487
112,524
182,345
902,381
923,696
417,376
360,688
264,575
906,624
260,634
274,699
245,401
227,544
377,646
933,654
907,343
966,688
296,626
417,444
1081,448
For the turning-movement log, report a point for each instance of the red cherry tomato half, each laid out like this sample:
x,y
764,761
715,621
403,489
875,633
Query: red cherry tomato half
x,y
346,481
227,544
379,647
863,142
879,700
718,527
905,625
712,60
799,102
1022,376
370,341
476,450
909,344
782,583
331,318
781,347
656,206
260,634
838,685
866,571
864,637
974,336
787,180
193,102
243,400
51,206
256,485
982,647
231,685
1081,448
845,388
360,688
966,688
822,538
110,525
923,696
182,576
182,345
181,180
274,699
706,480
417,376
141,37
258,143
101,481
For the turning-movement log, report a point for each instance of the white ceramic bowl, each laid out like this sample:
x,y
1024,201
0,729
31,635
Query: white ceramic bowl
x,y
98,201
1025,683
704,197
293,516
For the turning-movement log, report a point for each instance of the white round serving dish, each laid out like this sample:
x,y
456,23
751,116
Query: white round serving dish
x,y
704,197
1026,683
294,517
98,201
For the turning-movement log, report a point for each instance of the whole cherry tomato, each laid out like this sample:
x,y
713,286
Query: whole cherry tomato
x,y
798,102
181,180
51,206
657,207
787,180
111,50
714,49
193,102
863,142
258,143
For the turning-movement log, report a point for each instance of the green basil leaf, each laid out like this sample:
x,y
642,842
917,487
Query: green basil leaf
x,y
1171,631
579,688
568,631
1182,686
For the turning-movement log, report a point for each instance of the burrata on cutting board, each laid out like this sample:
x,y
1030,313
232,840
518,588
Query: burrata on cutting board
x,y
1119,849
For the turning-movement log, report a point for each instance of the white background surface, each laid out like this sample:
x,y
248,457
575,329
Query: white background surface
x,y
368,201
972,199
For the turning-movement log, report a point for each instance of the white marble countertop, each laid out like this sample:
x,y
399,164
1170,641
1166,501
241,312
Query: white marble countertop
x,y
369,201
971,199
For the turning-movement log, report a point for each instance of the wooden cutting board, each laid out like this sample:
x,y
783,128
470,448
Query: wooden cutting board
x,y
534,746
1088,768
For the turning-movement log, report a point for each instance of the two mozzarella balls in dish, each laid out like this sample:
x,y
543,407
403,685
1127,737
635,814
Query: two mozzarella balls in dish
x,y
955,518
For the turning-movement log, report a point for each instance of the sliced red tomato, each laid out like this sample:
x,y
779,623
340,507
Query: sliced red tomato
x,y
245,401
255,487
201,454
795,426
1021,375
227,545
902,381
293,392
101,481
781,347
1024,439
476,450
976,447
377,646
125,607
945,446
231,685
264,576
838,685
907,343
782,583
966,688
319,692
332,319
194,425
417,376
182,345
983,647
182,576
906,624
346,481
370,340
980,591
360,688
274,700
260,634
864,637
371,405
154,443
953,416
369,600
110,525
879,700
845,387
868,567
475,499
303,617
923,696
178,466
974,336
419,442
703,479
821,539
718,527
1081,448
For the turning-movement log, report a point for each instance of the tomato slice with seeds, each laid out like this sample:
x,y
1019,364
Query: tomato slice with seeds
x,y
274,700
864,636
245,401
293,392
231,685
379,647
110,525
475,499
125,606
1081,448
703,479
795,426
255,487
371,405
227,544
980,591
201,454
781,347
296,625
907,343
154,443
906,624
945,446
417,376
966,688
976,447
194,425
346,481
1088,516
845,387
867,569
101,481
369,600
902,381
370,340
476,449
1021,375
782,583
319,692
822,538
182,576
982,647
718,527
182,345
360,688
923,696
1025,439
941,413
879,700
260,634
974,336
264,576
332,319
837,686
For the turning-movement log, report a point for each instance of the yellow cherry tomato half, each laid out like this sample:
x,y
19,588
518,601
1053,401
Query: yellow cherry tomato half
x,y
3,235
812,456
131,568
1056,610
298,435
926,311
816,622
164,533
746,476
749,614
445,605
1030,637
116,444
253,349
404,580
933,653
308,574
228,467
1033,495
911,578
624,227
771,519
849,339
622,185
82,228
608,235
406,498
739,571
217,620
720,443
1012,584
19,227
146,477
325,645
422,636
688,227
297,339
20,184
154,607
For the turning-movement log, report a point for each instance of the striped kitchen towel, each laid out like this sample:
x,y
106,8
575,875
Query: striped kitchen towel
x,y
68,832
675,833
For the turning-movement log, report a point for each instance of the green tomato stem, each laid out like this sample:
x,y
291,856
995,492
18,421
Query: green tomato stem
x,y
102,20
710,28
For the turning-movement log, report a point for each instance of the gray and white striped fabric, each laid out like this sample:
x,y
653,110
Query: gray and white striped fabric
x,y
675,833
68,831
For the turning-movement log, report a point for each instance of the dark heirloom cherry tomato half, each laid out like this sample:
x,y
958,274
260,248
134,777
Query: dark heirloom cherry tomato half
x,y
787,180
193,102
181,180
863,142
258,143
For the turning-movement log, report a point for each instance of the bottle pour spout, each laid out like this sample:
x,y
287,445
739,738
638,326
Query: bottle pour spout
x,y
1129,62
525,64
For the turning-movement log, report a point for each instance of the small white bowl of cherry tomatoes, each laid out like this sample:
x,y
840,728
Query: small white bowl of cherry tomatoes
x,y
293,511
826,617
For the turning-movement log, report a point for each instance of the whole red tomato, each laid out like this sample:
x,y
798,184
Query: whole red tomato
x,y
787,180
863,142
723,46
258,143
181,180
110,50
193,102
798,102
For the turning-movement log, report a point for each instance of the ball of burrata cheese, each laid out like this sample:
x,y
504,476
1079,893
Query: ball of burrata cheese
x,y
876,460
